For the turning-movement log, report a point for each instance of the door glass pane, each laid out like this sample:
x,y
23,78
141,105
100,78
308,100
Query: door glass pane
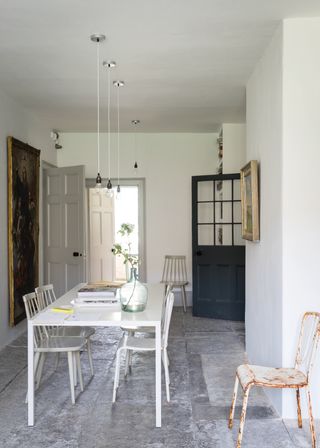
x,y
238,241
223,235
236,190
237,212
205,191
205,235
224,190
205,212
223,211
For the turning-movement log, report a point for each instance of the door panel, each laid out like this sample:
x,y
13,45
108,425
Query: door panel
x,y
218,249
64,265
101,236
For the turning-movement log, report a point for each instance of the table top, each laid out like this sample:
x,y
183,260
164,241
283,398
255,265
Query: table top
x,y
103,316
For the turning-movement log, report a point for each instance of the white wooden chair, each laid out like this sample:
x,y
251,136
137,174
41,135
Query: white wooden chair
x,y
45,343
147,344
46,296
281,378
175,275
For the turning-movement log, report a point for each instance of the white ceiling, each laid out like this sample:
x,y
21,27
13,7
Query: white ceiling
x,y
185,62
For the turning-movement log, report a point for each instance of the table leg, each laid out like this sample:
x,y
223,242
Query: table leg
x,y
158,375
30,375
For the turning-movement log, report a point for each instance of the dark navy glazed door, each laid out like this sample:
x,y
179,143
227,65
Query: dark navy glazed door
x,y
218,249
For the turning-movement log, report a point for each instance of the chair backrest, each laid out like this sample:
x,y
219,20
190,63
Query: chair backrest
x,y
308,342
32,308
46,295
167,318
174,269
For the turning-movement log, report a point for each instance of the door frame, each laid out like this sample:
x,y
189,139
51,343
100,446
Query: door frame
x,y
125,182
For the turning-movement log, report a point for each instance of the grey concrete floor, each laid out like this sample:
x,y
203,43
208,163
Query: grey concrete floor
x,y
203,356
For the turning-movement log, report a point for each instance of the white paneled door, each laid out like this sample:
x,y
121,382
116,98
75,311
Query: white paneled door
x,y
101,236
64,260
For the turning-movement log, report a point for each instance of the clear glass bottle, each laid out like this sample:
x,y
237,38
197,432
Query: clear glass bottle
x,y
133,294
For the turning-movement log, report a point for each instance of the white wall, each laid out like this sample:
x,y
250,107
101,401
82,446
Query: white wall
x,y
264,259
23,125
167,162
301,209
283,133
234,147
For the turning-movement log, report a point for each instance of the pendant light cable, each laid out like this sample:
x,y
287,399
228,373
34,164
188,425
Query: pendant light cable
x,y
109,126
98,104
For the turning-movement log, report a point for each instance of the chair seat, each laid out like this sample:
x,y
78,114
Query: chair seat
x,y
61,344
133,343
175,284
270,377
84,332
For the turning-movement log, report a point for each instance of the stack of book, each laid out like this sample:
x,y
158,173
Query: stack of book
x,y
97,294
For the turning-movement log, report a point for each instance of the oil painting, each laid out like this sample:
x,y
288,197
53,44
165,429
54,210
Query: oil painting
x,y
250,201
23,224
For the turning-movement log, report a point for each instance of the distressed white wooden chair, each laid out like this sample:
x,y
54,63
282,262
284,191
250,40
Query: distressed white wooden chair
x,y
175,275
147,344
44,343
46,296
281,378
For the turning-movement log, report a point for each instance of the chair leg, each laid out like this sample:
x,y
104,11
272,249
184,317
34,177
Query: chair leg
x,y
233,404
127,362
57,361
313,435
299,408
35,368
116,377
75,379
71,376
243,416
184,298
166,373
40,369
90,356
77,356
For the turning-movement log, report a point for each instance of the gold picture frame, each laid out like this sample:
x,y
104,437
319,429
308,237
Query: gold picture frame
x,y
23,224
250,201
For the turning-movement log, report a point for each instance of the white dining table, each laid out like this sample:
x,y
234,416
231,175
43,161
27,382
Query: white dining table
x,y
99,317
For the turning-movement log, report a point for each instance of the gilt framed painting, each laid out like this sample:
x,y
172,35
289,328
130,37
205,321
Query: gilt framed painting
x,y
23,224
250,201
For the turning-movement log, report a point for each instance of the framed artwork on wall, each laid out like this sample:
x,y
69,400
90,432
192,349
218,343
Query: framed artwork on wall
x,y
250,201
23,224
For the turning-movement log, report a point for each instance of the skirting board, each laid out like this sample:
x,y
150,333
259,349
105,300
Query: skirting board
x,y
178,298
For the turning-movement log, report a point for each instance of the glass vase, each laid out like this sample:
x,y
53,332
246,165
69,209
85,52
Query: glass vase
x,y
133,294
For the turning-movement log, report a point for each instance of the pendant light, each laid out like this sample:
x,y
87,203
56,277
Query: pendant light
x,y
109,65
135,165
118,84
98,38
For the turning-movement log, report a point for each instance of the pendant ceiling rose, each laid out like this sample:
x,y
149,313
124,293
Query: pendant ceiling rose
x,y
109,64
97,37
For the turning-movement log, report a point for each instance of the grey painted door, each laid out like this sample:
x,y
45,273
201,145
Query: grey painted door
x,y
64,239
218,249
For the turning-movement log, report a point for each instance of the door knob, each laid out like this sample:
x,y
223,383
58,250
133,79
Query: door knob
x,y
77,254
199,253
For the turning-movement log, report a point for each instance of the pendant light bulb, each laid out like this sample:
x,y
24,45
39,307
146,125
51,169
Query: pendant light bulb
x,y
135,165
98,38
118,84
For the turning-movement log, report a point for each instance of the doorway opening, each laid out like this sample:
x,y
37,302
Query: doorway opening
x,y
104,218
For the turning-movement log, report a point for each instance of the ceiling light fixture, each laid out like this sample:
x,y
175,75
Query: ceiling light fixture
x,y
98,38
118,84
135,165
109,65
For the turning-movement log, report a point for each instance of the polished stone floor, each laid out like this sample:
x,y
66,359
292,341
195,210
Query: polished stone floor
x,y
203,356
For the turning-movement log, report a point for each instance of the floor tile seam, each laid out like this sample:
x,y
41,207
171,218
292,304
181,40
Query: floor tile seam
x,y
13,379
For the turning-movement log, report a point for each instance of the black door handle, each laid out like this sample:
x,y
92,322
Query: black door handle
x,y
199,253
76,254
